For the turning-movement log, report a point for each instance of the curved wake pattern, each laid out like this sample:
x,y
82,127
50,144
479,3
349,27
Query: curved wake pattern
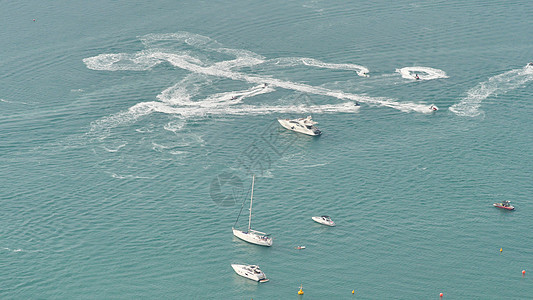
x,y
181,50
469,105
293,61
424,73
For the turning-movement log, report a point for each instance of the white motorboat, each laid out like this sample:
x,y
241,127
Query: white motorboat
x,y
301,125
250,235
252,272
325,220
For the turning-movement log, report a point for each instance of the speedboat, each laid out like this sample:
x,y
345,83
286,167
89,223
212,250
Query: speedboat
x,y
433,107
529,64
504,204
252,272
301,125
325,220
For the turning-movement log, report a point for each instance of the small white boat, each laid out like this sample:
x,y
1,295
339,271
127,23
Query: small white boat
x,y
433,107
325,220
252,272
250,235
301,125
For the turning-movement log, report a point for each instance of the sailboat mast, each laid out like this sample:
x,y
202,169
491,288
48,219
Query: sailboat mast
x,y
251,200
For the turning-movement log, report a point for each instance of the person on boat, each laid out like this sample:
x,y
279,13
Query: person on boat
x,y
416,77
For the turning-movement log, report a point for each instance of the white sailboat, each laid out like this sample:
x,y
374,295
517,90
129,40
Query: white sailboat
x,y
252,236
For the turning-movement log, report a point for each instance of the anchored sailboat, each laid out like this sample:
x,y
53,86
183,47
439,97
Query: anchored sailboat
x,y
252,236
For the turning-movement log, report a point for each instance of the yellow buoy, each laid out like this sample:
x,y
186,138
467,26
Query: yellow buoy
x,y
300,292
501,249
353,291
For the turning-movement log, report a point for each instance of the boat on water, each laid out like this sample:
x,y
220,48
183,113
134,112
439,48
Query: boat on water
x,y
301,125
250,235
324,220
504,204
252,272
433,107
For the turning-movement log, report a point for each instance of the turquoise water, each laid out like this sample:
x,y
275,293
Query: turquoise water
x,y
117,123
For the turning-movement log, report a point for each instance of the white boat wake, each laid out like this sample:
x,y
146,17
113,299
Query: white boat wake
x,y
469,105
294,61
423,73
210,61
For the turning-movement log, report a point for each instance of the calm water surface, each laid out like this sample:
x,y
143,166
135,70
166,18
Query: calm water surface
x,y
129,132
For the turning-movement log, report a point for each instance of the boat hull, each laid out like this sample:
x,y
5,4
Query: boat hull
x,y
285,123
322,221
253,238
246,272
504,207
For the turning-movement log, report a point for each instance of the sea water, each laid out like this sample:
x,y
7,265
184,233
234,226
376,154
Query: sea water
x,y
129,131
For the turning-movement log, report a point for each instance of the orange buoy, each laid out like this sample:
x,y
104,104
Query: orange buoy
x,y
523,272
501,249
441,294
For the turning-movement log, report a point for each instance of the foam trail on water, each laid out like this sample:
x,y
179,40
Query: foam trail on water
x,y
188,63
116,149
144,108
175,49
219,99
293,61
469,105
424,73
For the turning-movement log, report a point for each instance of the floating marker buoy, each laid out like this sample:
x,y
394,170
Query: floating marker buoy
x,y
300,292
501,249
33,20
523,272
441,294
353,292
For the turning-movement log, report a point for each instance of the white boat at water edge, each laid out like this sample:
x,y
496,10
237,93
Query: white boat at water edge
x,y
250,235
